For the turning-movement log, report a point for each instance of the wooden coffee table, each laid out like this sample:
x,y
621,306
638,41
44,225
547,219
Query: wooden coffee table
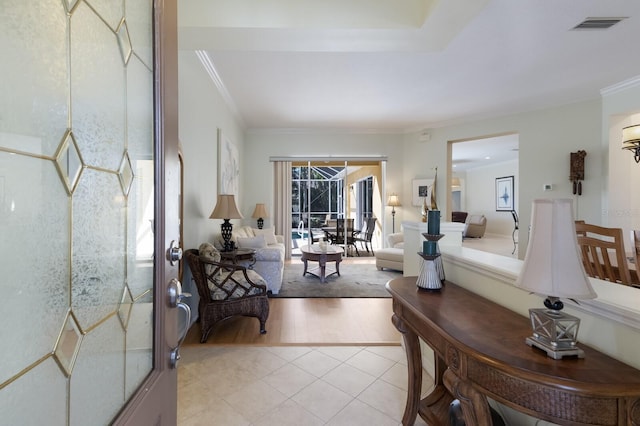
x,y
313,254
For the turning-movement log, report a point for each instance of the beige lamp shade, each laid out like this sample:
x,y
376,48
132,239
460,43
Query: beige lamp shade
x,y
226,208
553,263
631,140
393,201
630,135
260,211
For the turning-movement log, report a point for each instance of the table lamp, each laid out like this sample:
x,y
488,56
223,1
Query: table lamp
x,y
393,202
226,209
260,213
553,268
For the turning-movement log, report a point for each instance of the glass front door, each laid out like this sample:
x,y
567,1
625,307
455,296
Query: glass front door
x,y
79,213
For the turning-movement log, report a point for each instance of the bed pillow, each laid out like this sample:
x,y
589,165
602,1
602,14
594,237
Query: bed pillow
x,y
252,242
269,235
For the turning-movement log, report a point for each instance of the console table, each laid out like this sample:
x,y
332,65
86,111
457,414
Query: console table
x,y
480,352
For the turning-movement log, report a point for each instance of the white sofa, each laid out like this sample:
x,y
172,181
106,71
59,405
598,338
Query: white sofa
x,y
269,259
391,257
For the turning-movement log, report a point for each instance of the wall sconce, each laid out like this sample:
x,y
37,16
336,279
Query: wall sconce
x,y
393,202
631,140
260,213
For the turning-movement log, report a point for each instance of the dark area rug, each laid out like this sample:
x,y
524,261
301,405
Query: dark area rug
x,y
355,280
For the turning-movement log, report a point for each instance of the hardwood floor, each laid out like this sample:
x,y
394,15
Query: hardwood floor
x,y
310,322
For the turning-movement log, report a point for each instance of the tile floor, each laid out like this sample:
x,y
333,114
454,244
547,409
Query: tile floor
x,y
293,385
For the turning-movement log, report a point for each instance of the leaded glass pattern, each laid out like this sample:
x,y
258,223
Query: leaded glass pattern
x,y
76,128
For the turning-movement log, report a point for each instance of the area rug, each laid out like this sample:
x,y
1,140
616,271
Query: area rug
x,y
355,280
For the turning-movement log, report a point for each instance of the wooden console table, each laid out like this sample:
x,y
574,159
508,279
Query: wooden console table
x,y
480,352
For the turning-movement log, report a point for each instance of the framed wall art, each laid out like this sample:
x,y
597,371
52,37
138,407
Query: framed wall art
x,y
504,194
421,188
228,166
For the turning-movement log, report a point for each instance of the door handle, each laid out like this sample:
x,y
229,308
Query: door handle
x,y
174,253
174,355
174,299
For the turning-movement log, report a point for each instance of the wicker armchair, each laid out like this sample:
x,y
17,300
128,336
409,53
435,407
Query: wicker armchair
x,y
226,290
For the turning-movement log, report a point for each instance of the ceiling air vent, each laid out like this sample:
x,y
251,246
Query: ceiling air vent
x,y
597,23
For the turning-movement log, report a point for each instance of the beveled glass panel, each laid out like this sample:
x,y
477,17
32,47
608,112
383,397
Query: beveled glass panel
x,y
139,345
98,247
69,161
97,89
125,174
139,14
68,344
124,41
124,310
46,391
111,11
97,382
70,5
34,224
33,66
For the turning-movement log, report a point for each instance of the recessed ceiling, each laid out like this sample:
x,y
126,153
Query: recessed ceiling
x,y
476,153
406,65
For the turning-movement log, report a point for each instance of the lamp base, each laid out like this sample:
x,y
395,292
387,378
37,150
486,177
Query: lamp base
x,y
555,333
555,353
260,223
226,229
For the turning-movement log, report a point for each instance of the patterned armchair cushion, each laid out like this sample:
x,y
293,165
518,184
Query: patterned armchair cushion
x,y
236,286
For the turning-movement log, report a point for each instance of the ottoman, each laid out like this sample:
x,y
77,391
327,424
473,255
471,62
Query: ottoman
x,y
390,258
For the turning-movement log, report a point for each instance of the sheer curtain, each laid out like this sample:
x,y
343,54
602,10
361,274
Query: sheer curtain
x,y
282,202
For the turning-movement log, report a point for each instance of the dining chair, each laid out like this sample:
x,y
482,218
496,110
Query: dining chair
x,y
364,238
603,253
345,235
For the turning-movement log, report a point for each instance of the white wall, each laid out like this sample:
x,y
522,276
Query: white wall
x,y
480,195
201,112
547,137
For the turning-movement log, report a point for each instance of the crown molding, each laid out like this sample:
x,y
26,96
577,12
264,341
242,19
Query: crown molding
x,y
619,87
206,62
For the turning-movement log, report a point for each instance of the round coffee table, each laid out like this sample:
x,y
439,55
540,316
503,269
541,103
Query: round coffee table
x,y
314,254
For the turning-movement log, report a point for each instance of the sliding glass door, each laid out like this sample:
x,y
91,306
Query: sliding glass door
x,y
323,191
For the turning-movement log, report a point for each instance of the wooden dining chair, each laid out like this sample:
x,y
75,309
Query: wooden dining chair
x,y
603,253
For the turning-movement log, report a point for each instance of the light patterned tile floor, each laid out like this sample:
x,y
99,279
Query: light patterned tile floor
x,y
268,386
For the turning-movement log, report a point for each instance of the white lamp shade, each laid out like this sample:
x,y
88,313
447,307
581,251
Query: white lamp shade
x,y
226,208
260,211
553,263
393,201
630,135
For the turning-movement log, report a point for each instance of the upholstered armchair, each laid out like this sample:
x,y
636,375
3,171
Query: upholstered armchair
x,y
475,226
225,290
